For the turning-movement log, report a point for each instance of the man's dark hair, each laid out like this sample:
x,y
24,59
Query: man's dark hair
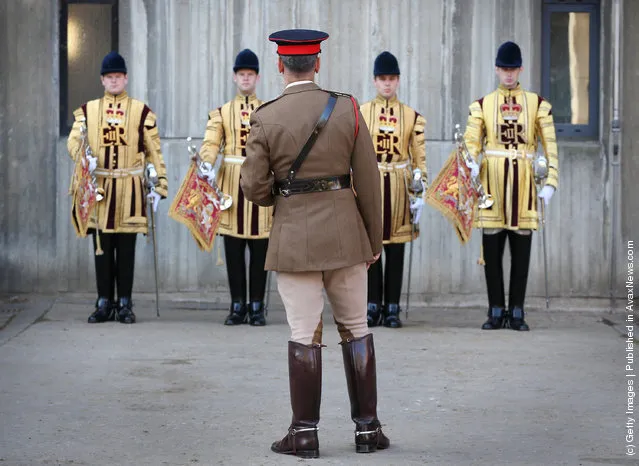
x,y
299,64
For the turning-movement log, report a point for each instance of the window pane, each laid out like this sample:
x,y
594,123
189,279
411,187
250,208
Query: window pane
x,y
569,67
88,41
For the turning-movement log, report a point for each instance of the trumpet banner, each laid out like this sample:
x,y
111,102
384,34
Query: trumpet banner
x,y
197,206
454,196
84,197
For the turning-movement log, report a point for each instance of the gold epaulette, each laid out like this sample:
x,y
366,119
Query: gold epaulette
x,y
79,115
475,109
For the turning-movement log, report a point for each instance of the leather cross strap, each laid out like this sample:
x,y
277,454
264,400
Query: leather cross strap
x,y
330,105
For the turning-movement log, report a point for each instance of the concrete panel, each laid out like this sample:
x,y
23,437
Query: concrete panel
x,y
29,130
4,137
193,44
630,129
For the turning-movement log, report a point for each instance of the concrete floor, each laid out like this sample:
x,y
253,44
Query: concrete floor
x,y
185,390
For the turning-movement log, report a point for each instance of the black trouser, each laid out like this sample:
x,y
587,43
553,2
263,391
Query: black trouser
x,y
116,265
391,281
520,246
234,249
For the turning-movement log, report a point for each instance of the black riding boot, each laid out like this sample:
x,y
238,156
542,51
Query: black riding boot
x,y
256,314
361,379
234,250
105,275
125,266
305,380
103,311
493,255
237,314
125,311
393,284
373,314
257,281
520,246
391,316
375,287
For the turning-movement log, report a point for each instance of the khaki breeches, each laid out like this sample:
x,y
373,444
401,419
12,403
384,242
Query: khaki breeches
x,y
303,300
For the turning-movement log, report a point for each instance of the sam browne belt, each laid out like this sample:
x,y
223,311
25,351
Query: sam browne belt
x,y
312,185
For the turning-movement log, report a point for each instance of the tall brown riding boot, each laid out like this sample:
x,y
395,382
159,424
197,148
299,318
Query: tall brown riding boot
x,y
305,377
361,379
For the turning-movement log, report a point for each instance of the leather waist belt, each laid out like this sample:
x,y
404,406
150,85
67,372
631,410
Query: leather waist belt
x,y
312,185
512,153
118,172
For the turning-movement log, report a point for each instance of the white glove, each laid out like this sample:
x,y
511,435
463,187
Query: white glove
x,y
93,163
416,207
474,169
546,193
208,172
155,199
210,177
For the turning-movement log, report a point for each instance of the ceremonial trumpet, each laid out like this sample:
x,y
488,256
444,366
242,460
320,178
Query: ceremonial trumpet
x,y
88,152
540,168
207,171
485,200
99,192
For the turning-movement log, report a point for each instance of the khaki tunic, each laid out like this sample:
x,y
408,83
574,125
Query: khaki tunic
x,y
506,127
323,230
398,137
226,133
123,135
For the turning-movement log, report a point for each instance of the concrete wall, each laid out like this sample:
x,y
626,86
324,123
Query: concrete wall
x,y
630,130
28,136
180,55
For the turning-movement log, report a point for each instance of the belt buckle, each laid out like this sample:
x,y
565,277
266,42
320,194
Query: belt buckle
x,y
514,153
286,192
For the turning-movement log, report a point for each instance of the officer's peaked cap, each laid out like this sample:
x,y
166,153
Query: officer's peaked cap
x,y
298,41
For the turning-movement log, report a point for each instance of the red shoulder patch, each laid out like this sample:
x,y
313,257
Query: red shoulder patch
x,y
356,115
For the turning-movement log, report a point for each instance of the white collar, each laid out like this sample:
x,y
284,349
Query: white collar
x,y
297,83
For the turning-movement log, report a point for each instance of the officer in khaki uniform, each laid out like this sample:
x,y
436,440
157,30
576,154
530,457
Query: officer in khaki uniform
x,y
244,224
398,137
326,229
123,136
506,126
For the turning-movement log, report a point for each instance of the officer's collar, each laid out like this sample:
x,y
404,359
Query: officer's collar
x,y
306,86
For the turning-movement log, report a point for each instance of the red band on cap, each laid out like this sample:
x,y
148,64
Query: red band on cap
x,y
301,49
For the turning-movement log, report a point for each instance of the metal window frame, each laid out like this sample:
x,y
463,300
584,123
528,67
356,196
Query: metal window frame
x,y
588,131
65,129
